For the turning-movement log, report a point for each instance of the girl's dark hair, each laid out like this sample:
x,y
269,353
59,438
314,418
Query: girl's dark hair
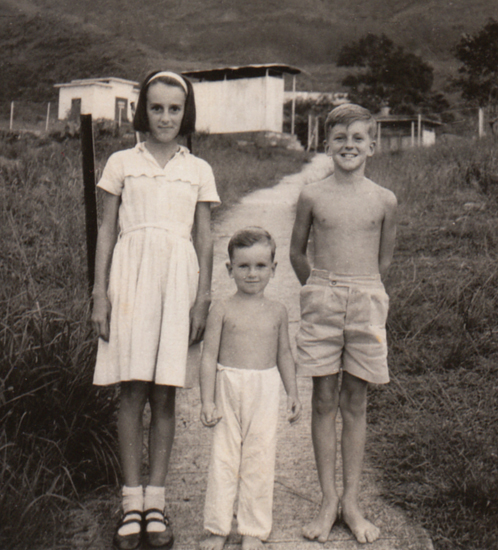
x,y
141,120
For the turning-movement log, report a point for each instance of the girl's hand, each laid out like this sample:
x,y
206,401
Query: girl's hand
x,y
209,415
294,408
101,314
198,316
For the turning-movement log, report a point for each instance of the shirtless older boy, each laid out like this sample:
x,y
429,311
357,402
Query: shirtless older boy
x,y
246,352
343,308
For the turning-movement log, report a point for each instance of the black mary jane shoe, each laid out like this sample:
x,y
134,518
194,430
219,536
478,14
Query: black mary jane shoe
x,y
129,542
162,540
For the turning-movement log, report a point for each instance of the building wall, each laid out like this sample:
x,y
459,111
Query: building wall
x,y
241,105
428,137
96,100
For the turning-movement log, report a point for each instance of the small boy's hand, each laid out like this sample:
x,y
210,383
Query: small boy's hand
x,y
294,408
209,415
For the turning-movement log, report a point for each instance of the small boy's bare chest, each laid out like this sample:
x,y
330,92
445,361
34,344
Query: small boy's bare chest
x,y
251,323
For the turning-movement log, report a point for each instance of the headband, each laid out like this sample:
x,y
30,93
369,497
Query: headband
x,y
173,76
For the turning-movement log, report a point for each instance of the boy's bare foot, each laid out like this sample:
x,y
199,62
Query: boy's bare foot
x,y
251,543
362,529
213,542
321,526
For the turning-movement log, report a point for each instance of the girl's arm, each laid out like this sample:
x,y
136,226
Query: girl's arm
x,y
209,361
106,240
203,243
287,368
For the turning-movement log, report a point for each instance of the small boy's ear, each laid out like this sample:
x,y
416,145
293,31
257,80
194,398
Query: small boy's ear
x,y
229,268
273,267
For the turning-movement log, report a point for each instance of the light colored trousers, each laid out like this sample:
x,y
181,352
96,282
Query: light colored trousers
x,y
243,452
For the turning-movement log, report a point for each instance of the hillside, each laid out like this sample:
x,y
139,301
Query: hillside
x,y
48,41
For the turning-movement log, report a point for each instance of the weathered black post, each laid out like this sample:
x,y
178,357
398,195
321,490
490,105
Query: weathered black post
x,y
88,154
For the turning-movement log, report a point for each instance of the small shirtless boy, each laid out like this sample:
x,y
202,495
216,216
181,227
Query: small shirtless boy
x,y
246,352
343,308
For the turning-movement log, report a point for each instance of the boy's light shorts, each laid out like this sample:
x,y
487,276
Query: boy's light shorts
x,y
343,325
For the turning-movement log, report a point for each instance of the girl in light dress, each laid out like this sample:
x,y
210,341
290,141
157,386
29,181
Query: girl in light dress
x,y
152,290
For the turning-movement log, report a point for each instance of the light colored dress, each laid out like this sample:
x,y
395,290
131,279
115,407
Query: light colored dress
x,y
154,269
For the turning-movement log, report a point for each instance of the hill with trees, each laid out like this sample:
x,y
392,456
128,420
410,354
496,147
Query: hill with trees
x,y
48,41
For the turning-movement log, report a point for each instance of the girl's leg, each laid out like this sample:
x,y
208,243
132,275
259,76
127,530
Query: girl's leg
x,y
162,432
133,396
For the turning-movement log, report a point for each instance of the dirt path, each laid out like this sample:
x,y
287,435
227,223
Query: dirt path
x,y
297,494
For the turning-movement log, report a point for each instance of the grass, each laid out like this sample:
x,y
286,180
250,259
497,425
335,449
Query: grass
x,y
57,435
434,427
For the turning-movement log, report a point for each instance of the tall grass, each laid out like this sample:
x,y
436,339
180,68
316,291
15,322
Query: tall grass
x,y
434,427
57,432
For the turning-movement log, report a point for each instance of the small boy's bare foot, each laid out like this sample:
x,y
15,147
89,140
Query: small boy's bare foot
x,y
213,542
362,529
321,526
251,543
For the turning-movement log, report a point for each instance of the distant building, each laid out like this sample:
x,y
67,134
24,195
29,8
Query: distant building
x,y
103,98
397,132
241,99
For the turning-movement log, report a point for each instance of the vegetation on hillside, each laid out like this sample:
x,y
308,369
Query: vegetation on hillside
x,y
388,75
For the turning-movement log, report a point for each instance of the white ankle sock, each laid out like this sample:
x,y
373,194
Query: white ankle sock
x,y
133,500
155,498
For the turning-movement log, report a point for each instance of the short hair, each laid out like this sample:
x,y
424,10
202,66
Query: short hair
x,y
141,120
348,113
249,236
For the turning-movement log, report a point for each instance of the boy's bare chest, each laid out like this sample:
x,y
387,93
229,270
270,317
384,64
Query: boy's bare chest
x,y
364,212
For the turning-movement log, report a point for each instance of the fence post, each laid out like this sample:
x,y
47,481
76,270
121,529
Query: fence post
x,y
11,125
293,104
88,154
48,117
419,130
480,116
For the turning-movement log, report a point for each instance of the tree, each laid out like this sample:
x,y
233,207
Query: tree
x,y
479,73
387,75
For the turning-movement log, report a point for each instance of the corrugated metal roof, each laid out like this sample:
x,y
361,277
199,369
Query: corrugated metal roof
x,y
245,71
105,82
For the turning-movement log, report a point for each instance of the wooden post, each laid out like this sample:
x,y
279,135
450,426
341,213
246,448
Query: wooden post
x,y
379,137
317,128
480,116
293,108
88,155
48,117
419,130
11,125
413,134
309,131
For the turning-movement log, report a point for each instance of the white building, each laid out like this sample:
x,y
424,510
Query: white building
x,y
103,98
241,99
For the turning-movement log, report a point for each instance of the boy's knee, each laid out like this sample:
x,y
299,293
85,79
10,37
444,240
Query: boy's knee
x,y
325,395
353,398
